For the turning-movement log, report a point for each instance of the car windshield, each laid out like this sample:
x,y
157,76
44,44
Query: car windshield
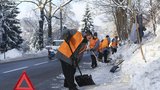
x,y
57,43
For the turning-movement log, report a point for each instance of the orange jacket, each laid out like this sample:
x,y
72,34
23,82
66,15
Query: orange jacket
x,y
114,43
74,42
104,44
92,43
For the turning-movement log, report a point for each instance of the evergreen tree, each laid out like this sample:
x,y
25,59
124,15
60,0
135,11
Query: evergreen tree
x,y
10,26
87,21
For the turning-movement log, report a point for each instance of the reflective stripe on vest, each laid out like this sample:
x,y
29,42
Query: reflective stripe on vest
x,y
74,42
93,42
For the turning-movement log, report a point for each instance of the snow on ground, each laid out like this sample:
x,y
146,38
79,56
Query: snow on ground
x,y
14,54
39,53
105,80
145,76
134,74
11,54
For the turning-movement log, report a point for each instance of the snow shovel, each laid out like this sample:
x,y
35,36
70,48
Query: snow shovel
x,y
82,80
114,68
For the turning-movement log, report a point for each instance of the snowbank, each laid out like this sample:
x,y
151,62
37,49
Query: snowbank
x,y
42,52
16,55
144,76
11,54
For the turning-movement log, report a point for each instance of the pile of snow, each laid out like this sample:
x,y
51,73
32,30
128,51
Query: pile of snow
x,y
15,54
11,54
40,52
144,76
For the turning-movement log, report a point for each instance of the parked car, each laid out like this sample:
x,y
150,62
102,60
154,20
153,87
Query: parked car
x,y
52,49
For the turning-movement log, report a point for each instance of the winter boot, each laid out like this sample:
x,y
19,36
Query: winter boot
x,y
65,84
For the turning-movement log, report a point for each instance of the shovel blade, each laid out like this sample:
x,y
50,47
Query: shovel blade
x,y
84,80
113,69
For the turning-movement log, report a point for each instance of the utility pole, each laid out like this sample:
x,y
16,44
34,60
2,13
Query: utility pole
x,y
138,35
61,20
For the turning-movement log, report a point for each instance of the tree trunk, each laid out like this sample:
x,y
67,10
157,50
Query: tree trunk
x,y
50,24
121,23
49,30
41,23
153,18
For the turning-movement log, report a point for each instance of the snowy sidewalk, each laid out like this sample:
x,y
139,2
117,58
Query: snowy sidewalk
x,y
106,80
111,86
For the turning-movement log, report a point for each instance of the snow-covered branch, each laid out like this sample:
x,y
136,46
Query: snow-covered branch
x,y
39,3
60,7
31,2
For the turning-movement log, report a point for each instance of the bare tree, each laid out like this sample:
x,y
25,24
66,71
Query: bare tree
x,y
50,14
41,4
47,11
30,27
119,10
153,12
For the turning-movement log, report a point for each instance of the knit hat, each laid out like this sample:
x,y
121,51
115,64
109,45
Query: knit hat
x,y
95,34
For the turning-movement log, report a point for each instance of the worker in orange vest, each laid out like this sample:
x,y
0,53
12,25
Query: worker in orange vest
x,y
114,44
100,51
69,51
104,49
93,45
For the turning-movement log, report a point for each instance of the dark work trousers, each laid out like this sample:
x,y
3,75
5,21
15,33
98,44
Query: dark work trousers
x,y
100,56
94,62
105,54
114,50
68,71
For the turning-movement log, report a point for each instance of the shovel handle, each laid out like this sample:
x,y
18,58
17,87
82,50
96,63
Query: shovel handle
x,y
94,54
75,60
119,63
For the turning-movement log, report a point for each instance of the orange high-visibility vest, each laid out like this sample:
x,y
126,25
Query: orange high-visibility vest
x,y
74,42
105,43
114,43
93,42
100,47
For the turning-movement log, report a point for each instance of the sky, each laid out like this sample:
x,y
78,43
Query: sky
x,y
26,10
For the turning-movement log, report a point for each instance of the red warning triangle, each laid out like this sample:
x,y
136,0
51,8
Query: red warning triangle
x,y
21,79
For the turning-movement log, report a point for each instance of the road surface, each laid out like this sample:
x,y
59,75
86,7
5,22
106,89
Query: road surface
x,y
43,73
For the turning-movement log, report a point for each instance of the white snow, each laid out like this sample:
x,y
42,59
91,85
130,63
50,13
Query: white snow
x,y
11,54
14,54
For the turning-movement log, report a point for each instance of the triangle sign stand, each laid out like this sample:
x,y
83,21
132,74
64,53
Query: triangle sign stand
x,y
23,77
